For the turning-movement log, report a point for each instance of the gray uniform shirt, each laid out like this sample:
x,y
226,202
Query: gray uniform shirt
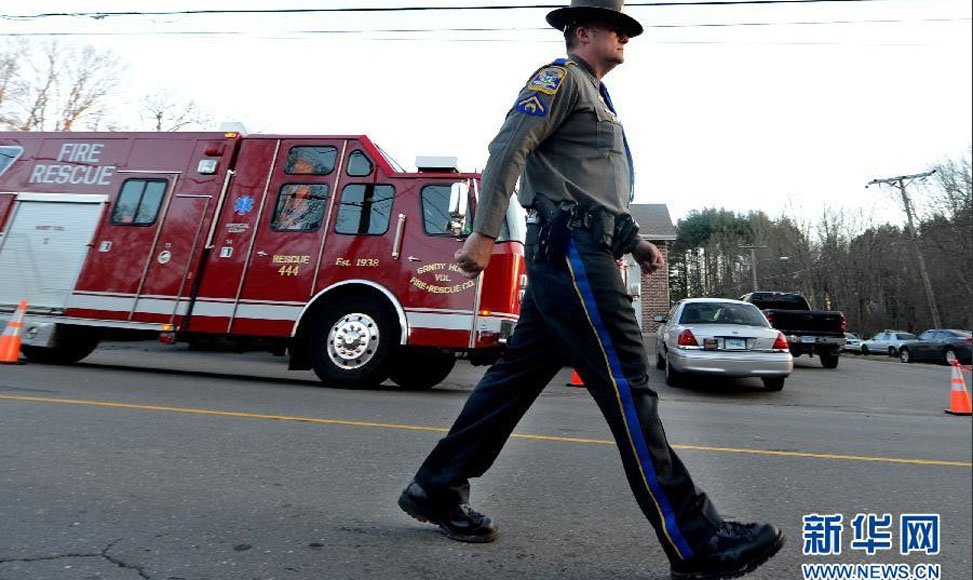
x,y
563,141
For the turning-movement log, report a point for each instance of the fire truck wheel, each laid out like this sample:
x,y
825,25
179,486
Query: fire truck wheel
x,y
354,343
73,344
421,368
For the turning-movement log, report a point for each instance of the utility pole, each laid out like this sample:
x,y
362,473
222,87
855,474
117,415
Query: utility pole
x,y
753,262
901,182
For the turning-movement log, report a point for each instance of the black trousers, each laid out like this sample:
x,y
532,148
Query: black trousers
x,y
578,312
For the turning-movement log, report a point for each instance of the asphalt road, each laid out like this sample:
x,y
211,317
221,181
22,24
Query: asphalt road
x,y
147,461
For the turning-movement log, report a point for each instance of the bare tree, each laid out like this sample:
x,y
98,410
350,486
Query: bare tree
x,y
168,112
11,85
54,87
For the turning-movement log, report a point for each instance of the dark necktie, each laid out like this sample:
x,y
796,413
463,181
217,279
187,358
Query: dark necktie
x,y
628,152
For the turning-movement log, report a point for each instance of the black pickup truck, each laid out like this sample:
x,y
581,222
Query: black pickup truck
x,y
807,331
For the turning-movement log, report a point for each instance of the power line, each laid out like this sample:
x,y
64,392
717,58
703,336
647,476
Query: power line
x,y
362,9
294,33
511,29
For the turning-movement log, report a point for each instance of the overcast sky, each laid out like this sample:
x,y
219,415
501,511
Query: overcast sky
x,y
790,108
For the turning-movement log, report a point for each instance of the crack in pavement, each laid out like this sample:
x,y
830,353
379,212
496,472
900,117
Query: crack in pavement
x,y
102,554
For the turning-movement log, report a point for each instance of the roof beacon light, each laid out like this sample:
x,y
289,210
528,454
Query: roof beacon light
x,y
431,164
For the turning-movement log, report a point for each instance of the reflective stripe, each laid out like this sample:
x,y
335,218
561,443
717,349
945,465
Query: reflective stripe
x,y
156,306
107,303
213,309
268,312
440,321
623,392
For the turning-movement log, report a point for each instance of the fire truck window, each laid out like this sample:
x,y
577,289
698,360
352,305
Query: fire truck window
x,y
438,218
364,209
359,164
300,207
9,154
139,202
310,160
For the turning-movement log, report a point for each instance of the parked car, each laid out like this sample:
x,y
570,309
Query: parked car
x,y
942,345
810,332
721,337
853,343
887,341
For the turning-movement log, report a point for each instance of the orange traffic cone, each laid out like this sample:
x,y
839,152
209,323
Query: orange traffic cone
x,y
575,379
959,398
10,340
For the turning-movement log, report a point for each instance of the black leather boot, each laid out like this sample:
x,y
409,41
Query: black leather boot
x,y
458,521
734,550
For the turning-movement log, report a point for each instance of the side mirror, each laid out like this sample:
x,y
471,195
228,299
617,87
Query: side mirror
x,y
635,290
459,196
659,318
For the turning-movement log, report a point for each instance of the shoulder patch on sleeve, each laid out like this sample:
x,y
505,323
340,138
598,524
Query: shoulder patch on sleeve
x,y
532,105
548,80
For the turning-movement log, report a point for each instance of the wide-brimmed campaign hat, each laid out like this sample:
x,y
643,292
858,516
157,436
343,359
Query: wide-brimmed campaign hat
x,y
607,11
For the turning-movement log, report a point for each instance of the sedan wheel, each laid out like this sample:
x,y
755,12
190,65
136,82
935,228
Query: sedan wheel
x,y
904,355
949,356
673,377
864,349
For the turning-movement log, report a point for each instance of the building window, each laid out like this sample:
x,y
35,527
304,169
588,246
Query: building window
x,y
308,160
300,207
9,154
139,202
364,209
359,165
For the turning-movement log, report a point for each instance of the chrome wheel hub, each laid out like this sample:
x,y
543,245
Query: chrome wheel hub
x,y
352,340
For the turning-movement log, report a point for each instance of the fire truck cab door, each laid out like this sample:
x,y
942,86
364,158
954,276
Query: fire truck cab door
x,y
441,301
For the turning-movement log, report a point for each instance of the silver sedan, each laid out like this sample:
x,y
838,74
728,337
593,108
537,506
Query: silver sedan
x,y
719,337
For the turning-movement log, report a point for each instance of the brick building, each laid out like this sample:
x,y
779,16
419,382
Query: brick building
x,y
655,225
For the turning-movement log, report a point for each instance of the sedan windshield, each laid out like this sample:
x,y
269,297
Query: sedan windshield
x,y
722,313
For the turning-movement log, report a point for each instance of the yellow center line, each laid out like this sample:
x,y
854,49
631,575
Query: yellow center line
x,y
445,430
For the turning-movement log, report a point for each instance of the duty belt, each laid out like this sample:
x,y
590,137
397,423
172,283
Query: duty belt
x,y
582,222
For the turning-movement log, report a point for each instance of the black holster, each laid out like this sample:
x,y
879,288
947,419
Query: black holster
x,y
556,221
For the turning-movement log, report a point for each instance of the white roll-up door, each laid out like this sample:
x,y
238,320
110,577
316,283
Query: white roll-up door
x,y
44,247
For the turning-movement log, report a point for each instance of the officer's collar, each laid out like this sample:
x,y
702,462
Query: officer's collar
x,y
585,67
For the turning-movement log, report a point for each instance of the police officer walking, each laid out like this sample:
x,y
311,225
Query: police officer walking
x,y
564,141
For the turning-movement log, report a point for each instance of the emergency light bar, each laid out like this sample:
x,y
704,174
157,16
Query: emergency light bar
x,y
432,164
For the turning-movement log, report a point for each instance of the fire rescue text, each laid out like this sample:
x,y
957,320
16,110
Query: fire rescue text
x,y
68,171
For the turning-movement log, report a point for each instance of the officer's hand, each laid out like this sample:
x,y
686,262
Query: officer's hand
x,y
474,256
648,256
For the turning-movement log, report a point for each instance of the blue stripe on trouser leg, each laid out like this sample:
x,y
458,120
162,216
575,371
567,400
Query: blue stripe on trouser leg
x,y
624,391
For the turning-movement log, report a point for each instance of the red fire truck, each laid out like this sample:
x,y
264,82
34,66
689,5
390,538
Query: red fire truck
x,y
318,246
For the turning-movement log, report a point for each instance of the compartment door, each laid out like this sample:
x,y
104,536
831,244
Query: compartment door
x,y
169,278
44,247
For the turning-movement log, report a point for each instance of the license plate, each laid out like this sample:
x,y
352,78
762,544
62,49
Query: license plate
x,y
808,339
735,344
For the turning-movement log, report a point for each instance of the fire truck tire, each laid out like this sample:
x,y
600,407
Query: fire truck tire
x,y
421,368
354,343
73,344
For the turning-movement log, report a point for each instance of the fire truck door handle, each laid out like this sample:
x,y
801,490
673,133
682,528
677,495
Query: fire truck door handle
x,y
397,244
414,259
